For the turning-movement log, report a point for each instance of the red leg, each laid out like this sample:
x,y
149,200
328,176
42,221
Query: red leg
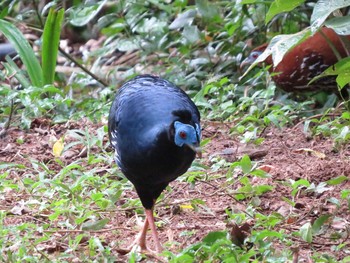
x,y
140,240
150,219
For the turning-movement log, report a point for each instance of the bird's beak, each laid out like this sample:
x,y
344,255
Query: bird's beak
x,y
196,149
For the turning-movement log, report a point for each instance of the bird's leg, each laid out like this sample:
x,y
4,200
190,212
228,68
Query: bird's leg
x,y
140,240
150,219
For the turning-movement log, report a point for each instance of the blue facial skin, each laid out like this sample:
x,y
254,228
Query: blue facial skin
x,y
186,134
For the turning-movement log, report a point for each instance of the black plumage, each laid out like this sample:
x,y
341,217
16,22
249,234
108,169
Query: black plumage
x,y
154,128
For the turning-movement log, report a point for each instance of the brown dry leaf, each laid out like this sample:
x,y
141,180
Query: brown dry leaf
x,y
317,154
266,168
239,233
20,209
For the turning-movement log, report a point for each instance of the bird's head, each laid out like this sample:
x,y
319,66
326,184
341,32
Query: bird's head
x,y
251,58
186,134
254,54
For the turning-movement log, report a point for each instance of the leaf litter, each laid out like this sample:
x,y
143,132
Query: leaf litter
x,y
190,209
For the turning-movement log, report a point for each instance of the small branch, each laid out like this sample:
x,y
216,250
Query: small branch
x,y
83,231
82,67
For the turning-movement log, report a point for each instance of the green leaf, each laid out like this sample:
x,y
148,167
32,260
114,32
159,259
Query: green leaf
x,y
345,193
303,182
319,222
84,13
208,11
51,39
246,164
183,19
341,25
281,6
322,9
12,68
191,33
343,79
337,180
260,173
306,232
212,237
25,51
268,233
341,68
7,166
243,2
346,115
95,225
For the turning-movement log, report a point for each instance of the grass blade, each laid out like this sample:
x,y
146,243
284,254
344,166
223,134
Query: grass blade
x,y
25,51
51,39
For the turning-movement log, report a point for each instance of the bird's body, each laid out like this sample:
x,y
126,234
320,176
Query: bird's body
x,y
142,129
6,49
305,61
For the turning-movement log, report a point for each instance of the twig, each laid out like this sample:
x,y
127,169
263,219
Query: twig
x,y
83,231
316,116
82,67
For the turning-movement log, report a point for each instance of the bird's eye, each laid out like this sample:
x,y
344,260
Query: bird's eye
x,y
255,55
183,134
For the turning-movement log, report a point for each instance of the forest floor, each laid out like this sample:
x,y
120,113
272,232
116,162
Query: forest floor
x,y
287,153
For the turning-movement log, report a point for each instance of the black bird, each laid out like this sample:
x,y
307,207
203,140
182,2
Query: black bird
x,y
155,130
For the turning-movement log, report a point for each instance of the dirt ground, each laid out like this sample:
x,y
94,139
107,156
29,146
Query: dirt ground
x,y
288,153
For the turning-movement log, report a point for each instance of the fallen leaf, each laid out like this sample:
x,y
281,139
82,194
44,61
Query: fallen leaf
x,y
186,206
313,152
57,148
266,168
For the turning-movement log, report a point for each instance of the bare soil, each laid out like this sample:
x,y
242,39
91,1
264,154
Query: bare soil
x,y
288,154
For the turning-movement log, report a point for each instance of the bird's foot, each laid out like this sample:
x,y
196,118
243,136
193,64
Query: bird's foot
x,y
136,247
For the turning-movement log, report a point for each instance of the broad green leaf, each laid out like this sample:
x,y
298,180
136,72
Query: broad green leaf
x,y
51,39
343,78
281,6
260,173
95,225
25,51
183,19
322,9
212,237
246,164
341,25
208,11
268,233
319,222
345,115
341,69
337,180
303,182
261,189
191,33
345,193
84,13
306,232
